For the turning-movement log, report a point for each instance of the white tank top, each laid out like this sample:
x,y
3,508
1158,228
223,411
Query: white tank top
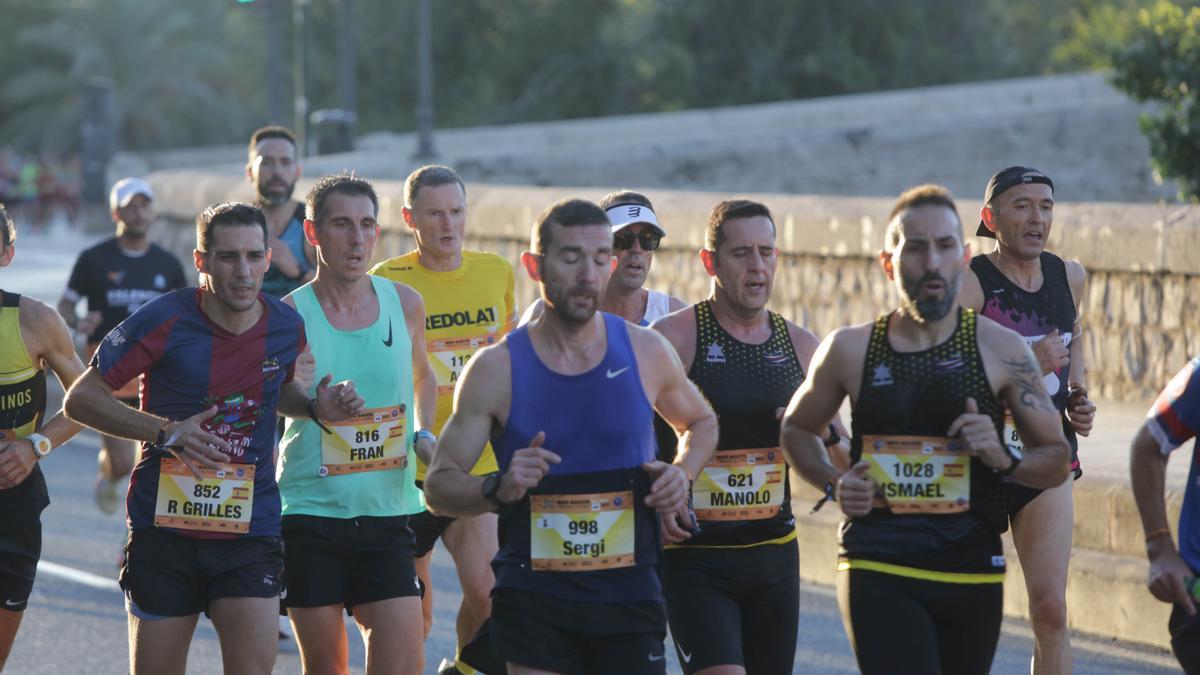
x,y
657,304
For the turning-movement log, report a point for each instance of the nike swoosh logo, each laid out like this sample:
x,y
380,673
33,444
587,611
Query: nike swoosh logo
x,y
388,341
12,603
687,658
613,373
660,657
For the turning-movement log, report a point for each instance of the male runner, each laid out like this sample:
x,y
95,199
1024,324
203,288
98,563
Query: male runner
x,y
117,276
32,337
921,562
577,586
203,503
273,170
733,590
636,236
1173,420
1022,286
469,305
347,489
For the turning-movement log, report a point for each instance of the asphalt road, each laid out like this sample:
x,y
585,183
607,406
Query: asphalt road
x,y
76,621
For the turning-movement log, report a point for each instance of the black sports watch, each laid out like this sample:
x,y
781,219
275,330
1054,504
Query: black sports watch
x,y
1016,455
491,488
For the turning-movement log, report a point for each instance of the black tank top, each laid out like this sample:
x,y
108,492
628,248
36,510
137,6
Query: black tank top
x,y
919,394
744,497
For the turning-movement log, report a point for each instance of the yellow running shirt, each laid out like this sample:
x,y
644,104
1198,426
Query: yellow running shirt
x,y
465,310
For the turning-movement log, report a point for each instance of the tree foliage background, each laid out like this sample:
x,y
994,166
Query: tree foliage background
x,y
191,72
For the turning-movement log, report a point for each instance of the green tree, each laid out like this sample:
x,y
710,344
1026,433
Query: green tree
x,y
164,59
1161,63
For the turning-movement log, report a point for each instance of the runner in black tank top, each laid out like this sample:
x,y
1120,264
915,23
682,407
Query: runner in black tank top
x,y
1037,294
921,565
732,589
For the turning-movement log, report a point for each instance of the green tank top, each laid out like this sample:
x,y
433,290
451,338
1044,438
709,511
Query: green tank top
x,y
366,466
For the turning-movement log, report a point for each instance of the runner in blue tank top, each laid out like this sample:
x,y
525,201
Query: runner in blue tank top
x,y
1024,287
568,402
273,169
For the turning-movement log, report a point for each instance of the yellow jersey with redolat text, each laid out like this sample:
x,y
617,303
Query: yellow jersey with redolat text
x,y
466,310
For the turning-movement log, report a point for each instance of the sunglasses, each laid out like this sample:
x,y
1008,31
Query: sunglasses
x,y
649,240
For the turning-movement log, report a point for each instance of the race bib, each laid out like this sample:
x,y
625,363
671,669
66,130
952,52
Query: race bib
x,y
740,485
450,356
581,533
221,501
919,474
1011,438
372,440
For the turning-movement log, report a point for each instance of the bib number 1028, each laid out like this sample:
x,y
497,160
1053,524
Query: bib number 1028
x,y
925,470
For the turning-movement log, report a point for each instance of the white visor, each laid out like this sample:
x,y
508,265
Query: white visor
x,y
623,215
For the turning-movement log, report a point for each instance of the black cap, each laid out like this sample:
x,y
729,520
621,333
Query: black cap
x,y
1009,178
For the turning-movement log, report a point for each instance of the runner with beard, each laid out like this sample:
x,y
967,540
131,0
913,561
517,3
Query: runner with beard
x,y
273,170
636,236
921,565
577,583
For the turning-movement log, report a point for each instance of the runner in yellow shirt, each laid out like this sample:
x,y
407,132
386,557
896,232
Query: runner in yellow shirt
x,y
469,305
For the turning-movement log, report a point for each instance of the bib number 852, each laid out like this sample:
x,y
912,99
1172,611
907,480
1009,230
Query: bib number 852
x,y
202,491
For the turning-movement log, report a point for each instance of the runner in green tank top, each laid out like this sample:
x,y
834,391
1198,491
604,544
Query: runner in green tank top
x,y
347,489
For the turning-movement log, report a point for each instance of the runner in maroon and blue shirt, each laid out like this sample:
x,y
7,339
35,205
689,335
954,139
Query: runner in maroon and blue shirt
x,y
191,364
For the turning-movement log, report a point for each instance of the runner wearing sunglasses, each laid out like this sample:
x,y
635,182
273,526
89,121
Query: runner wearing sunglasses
x,y
636,235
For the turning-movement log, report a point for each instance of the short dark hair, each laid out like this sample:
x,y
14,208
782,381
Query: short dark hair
x,y
927,194
8,229
565,213
343,183
728,210
227,214
270,131
625,197
430,175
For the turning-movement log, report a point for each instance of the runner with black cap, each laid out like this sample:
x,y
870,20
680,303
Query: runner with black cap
x,y
636,236
1022,286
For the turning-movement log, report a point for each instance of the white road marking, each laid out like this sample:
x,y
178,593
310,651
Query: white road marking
x,y
78,576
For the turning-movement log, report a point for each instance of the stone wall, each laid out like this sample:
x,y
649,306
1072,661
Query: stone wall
x,y
1141,313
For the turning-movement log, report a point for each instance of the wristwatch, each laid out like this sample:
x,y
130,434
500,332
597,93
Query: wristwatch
x,y
491,488
41,445
426,434
1016,455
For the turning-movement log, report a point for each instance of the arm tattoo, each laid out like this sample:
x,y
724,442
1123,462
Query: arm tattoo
x,y
1027,377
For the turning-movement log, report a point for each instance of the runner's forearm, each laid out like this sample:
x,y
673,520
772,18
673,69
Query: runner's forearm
x,y
452,491
1147,472
293,401
91,406
1044,466
806,452
697,445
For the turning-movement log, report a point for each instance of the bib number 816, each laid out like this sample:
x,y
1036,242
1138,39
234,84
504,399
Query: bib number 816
x,y
369,436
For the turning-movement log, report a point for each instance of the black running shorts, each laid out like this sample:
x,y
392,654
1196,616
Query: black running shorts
x,y
734,606
544,632
167,574
347,561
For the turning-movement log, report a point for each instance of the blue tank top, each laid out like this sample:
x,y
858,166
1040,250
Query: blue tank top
x,y
601,424
275,283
